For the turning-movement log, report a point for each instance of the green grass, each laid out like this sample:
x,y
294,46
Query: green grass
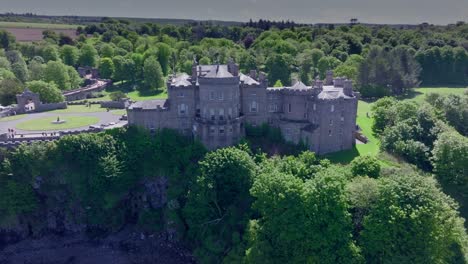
x,y
419,94
118,112
137,96
5,24
80,109
42,124
372,147
11,118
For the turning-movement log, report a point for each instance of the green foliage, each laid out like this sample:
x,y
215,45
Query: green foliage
x,y
117,96
153,74
88,55
412,222
365,166
48,92
10,88
106,68
69,55
219,202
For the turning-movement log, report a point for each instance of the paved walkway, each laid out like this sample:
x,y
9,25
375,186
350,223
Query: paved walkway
x,y
104,118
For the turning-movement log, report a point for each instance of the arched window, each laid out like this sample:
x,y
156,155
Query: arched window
x,y
183,108
221,114
332,108
212,114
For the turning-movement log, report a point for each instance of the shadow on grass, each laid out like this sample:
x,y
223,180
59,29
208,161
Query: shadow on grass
x,y
343,157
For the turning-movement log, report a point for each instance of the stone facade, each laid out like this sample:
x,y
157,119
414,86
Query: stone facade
x,y
29,102
216,101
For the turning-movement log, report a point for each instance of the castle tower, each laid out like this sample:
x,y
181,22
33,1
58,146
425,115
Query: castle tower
x,y
348,87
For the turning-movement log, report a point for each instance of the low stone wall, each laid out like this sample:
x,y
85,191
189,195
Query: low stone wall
x,y
84,92
51,106
115,104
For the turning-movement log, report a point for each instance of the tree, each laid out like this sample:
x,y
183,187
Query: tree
x,y
57,72
6,39
327,63
450,158
152,74
301,222
4,63
277,66
164,55
412,221
117,95
88,55
106,68
50,53
74,76
48,92
365,166
106,51
10,88
218,204
20,70
69,55
36,70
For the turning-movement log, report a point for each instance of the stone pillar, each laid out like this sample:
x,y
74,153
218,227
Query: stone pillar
x,y
253,74
329,78
233,68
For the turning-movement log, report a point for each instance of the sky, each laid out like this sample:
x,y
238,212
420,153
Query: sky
x,y
301,11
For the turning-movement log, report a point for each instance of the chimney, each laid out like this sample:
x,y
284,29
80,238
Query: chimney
x,y
338,82
233,68
329,78
318,85
194,69
253,74
348,87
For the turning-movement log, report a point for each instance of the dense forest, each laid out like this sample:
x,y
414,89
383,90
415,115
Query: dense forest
x,y
381,60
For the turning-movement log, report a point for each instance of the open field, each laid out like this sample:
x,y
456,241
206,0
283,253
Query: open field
x,y
372,147
5,24
45,123
27,32
137,96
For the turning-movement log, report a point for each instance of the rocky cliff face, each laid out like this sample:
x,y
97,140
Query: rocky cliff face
x,y
58,233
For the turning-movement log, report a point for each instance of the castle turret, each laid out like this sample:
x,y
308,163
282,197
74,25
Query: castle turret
x,y
329,78
233,68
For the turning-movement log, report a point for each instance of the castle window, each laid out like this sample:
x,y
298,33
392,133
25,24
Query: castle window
x,y
342,118
221,96
289,108
230,129
180,94
221,114
212,95
183,108
221,129
212,114
273,107
212,130
229,113
315,107
253,106
332,108
331,122
329,133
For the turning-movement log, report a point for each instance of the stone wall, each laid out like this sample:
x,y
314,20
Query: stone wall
x,y
51,106
122,104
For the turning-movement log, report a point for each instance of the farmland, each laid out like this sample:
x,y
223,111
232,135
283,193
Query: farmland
x,y
28,32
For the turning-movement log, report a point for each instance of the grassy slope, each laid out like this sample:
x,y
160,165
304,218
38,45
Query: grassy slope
x,y
4,24
80,109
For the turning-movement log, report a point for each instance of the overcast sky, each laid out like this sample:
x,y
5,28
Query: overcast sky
x,y
305,11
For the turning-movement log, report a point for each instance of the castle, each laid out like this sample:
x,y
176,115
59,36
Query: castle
x,y
216,102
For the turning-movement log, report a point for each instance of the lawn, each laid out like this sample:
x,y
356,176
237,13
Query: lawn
x,y
11,118
137,96
80,109
45,123
6,24
372,147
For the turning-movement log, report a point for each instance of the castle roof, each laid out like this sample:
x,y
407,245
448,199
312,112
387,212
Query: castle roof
x,y
248,80
150,104
215,71
181,80
299,86
331,92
